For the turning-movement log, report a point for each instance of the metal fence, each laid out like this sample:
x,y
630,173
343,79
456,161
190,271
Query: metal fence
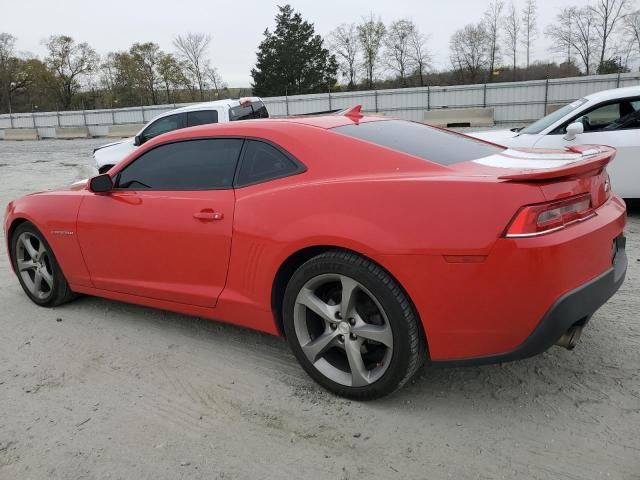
x,y
513,103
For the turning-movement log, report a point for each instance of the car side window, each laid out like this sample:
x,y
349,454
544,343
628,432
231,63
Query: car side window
x,y
621,115
163,125
262,161
201,117
207,164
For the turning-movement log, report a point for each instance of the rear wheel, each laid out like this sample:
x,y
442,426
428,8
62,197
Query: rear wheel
x,y
38,271
351,326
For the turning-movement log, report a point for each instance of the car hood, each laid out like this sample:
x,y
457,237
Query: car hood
x,y
106,145
112,153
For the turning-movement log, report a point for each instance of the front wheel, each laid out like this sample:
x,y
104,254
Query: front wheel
x,y
351,326
37,268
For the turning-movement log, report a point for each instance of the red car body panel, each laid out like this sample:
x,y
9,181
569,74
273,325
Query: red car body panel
x,y
437,229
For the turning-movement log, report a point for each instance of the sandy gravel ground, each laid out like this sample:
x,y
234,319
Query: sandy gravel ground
x,y
103,390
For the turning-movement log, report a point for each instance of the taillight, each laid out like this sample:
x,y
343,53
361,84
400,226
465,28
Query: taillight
x,y
542,218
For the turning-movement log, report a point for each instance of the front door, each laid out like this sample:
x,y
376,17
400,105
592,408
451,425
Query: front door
x,y
164,232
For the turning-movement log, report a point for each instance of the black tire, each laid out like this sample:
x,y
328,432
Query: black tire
x,y
409,343
104,169
60,292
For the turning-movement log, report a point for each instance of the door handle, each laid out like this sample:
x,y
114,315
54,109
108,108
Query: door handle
x,y
208,215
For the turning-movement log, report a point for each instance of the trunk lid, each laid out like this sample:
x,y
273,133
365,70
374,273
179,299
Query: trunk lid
x,y
562,173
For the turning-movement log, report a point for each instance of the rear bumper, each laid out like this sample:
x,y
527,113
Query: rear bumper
x,y
576,306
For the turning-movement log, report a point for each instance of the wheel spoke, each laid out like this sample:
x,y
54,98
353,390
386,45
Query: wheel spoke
x,y
47,277
347,303
37,282
24,265
310,300
378,333
316,347
33,253
41,250
359,373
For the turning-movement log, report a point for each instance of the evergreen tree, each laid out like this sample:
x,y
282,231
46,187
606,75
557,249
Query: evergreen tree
x,y
292,59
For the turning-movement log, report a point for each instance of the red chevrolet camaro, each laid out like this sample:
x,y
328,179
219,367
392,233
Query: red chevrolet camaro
x,y
374,245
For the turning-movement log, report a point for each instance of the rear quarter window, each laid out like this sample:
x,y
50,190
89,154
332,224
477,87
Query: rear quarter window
x,y
249,111
429,143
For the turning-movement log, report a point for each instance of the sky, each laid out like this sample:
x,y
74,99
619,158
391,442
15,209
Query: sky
x,y
237,27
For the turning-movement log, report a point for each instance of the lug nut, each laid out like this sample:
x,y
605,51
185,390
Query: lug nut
x,y
353,336
333,326
352,321
338,315
341,338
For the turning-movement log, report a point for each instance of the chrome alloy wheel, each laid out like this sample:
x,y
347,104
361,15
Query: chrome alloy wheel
x,y
34,265
343,330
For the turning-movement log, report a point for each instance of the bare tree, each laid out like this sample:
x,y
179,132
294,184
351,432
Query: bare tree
x,y
562,33
469,53
397,53
512,33
371,33
216,81
419,53
529,27
632,29
607,15
69,62
345,44
585,39
192,50
491,22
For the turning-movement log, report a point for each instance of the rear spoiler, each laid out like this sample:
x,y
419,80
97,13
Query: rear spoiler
x,y
592,158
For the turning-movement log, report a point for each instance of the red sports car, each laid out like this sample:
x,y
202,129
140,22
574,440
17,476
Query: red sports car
x,y
374,245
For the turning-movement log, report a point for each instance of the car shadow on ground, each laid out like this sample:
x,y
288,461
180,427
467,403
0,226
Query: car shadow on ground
x,y
433,386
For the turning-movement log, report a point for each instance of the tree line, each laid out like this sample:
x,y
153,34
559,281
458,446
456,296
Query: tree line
x,y
602,36
73,75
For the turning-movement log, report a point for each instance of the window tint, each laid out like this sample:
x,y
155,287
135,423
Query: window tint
x,y
248,111
202,117
259,110
438,146
190,165
262,161
163,125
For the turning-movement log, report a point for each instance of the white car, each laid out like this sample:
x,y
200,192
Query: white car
x,y
106,156
610,117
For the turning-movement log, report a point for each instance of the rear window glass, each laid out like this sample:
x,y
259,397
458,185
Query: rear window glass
x,y
249,111
435,145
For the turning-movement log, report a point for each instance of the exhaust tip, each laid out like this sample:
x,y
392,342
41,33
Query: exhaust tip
x,y
570,338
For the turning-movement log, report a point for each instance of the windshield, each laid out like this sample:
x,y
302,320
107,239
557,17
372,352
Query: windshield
x,y
552,118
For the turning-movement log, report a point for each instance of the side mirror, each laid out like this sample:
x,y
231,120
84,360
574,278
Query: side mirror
x,y
101,184
137,140
573,130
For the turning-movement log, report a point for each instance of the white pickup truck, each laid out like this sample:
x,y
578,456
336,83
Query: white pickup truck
x,y
106,156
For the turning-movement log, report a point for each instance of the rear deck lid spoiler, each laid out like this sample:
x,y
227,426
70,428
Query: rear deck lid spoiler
x,y
531,165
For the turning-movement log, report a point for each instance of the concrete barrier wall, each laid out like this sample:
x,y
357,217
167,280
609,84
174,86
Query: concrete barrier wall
x,y
124,131
67,133
460,117
21,134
